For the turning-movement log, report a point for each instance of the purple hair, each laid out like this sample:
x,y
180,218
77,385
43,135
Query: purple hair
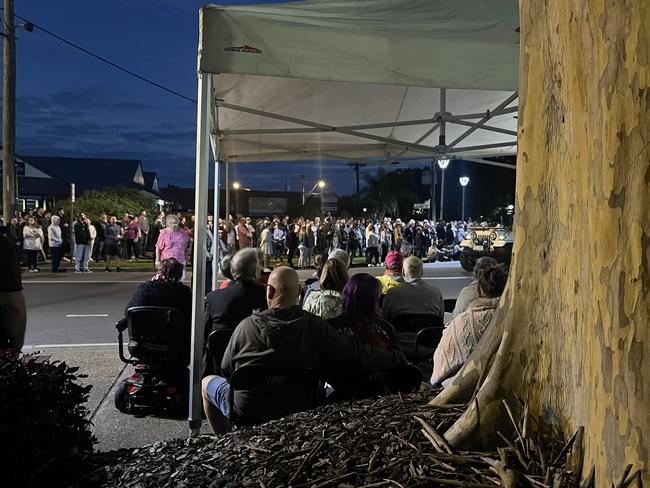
x,y
360,304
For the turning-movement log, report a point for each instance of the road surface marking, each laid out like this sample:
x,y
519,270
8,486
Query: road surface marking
x,y
95,344
72,315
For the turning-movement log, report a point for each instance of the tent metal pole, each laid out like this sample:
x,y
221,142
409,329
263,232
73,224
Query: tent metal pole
x,y
483,146
216,243
488,113
454,120
227,185
481,122
443,113
329,128
297,130
198,259
430,131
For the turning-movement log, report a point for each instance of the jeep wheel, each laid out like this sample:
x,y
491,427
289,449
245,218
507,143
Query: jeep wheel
x,y
467,261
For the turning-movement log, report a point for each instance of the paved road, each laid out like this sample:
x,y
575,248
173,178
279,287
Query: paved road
x,y
83,308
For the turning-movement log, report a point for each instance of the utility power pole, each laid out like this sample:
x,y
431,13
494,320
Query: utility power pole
x,y
357,166
8,112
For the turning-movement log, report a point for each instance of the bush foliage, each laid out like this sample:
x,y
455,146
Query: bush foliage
x,y
114,201
45,432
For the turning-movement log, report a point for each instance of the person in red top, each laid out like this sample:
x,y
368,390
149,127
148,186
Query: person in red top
x,y
132,235
244,235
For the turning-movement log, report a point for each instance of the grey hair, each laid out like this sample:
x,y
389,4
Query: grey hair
x,y
341,255
412,268
172,219
482,263
244,264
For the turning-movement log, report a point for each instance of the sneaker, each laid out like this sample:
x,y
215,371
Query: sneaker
x,y
77,271
66,259
35,271
31,270
87,270
107,270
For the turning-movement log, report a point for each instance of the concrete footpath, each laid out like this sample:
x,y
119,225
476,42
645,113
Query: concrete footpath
x,y
113,429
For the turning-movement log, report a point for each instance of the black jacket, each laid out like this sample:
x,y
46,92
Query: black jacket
x,y
226,308
81,233
291,337
164,294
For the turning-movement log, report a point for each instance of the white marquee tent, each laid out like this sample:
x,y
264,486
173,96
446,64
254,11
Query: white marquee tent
x,y
365,81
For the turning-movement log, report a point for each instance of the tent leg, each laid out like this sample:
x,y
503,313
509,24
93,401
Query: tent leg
x,y
216,248
199,257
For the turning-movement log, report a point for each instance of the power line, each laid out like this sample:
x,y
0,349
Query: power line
x,y
107,61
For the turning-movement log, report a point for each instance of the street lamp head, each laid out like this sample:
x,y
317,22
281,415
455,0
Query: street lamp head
x,y
464,180
321,184
443,163
236,185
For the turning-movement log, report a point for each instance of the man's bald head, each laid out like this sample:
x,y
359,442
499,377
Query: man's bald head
x,y
283,288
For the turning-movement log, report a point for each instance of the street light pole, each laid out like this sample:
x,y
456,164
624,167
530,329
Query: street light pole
x,y
8,113
464,180
443,163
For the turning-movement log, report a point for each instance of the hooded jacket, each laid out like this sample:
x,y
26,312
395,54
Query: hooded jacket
x,y
293,337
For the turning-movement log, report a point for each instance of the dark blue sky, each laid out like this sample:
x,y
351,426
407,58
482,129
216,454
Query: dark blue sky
x,y
69,104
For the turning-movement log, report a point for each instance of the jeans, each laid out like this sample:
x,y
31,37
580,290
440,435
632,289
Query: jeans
x,y
218,392
144,242
81,256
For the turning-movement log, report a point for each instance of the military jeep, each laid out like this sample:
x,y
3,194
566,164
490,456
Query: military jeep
x,y
495,242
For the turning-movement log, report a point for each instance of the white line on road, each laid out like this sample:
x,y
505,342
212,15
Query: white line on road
x,y
90,344
72,315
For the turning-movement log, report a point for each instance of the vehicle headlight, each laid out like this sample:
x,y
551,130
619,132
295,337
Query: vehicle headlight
x,y
493,236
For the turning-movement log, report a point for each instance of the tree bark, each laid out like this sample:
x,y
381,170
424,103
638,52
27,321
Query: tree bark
x,y
571,338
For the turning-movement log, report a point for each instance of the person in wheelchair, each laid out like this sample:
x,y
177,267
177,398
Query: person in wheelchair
x,y
165,289
286,336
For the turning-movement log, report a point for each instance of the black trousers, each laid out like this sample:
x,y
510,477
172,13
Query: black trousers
x,y
291,255
372,254
32,258
55,254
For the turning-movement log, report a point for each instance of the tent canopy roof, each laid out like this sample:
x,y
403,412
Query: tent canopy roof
x,y
291,79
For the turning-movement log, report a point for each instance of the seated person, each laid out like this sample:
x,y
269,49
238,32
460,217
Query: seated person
x,y
360,314
165,289
415,297
225,308
326,302
224,266
313,282
286,335
361,318
12,302
470,293
315,285
464,332
392,276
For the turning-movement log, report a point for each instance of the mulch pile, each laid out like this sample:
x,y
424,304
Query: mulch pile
x,y
382,442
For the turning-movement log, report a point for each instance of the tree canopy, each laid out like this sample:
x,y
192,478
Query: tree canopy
x,y
114,201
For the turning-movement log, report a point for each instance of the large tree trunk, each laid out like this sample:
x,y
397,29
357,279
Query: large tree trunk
x,y
572,336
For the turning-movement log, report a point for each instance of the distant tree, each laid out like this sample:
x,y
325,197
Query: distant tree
x,y
114,201
393,193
